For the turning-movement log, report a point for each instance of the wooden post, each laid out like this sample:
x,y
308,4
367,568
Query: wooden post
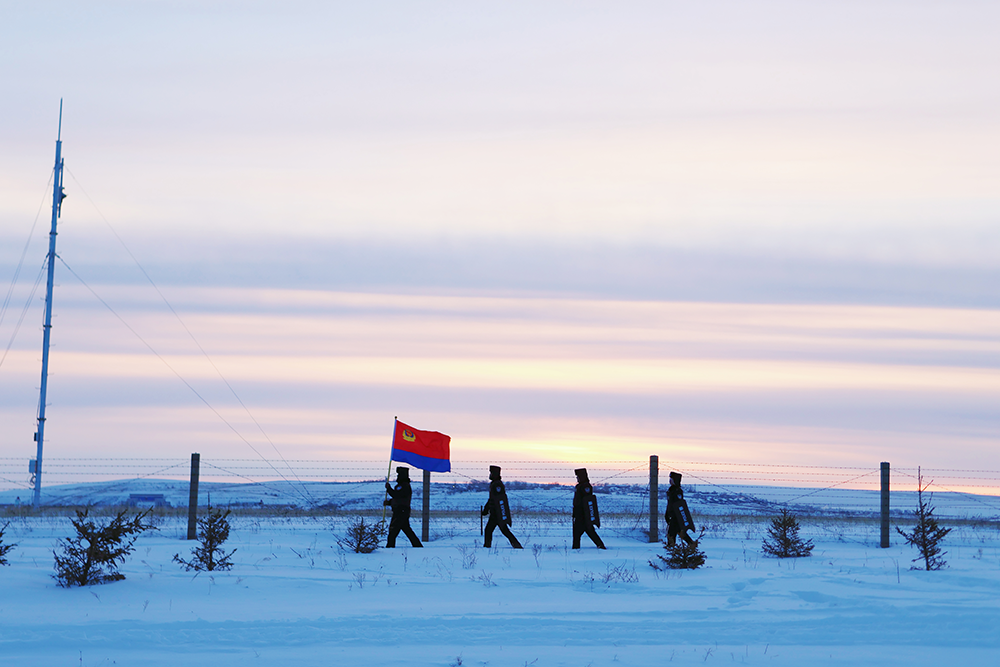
x,y
425,525
885,505
654,498
193,498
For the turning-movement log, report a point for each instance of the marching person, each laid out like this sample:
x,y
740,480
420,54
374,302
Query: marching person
x,y
498,510
585,514
399,501
678,516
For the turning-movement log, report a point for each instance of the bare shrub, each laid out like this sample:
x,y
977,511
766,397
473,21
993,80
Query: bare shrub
x,y
469,557
486,579
621,574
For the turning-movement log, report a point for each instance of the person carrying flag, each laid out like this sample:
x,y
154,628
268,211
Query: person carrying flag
x,y
498,509
585,514
400,504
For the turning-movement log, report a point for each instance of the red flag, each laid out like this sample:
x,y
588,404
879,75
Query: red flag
x,y
427,450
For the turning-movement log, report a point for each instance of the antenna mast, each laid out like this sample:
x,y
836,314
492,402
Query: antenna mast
x,y
57,197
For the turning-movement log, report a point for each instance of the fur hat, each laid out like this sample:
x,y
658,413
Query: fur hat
x,y
494,470
581,472
403,471
676,477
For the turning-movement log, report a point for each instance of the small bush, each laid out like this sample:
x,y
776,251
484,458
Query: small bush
x,y
783,539
926,536
362,537
213,531
681,556
94,555
4,548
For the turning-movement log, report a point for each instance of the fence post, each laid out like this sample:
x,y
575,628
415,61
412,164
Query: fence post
x,y
885,505
425,525
193,497
654,498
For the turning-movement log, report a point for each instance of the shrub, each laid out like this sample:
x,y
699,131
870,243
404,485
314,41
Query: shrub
x,y
93,556
783,539
362,537
681,556
4,548
623,574
213,531
926,536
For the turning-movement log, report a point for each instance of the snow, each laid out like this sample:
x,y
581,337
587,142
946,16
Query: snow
x,y
295,598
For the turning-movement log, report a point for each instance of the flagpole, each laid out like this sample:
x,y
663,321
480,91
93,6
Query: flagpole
x,y
389,471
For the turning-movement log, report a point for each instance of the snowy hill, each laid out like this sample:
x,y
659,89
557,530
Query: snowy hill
x,y
524,497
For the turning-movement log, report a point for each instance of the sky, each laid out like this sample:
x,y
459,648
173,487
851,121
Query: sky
x,y
716,231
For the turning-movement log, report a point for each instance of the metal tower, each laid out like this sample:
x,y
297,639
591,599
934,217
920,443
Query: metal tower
x,y
57,197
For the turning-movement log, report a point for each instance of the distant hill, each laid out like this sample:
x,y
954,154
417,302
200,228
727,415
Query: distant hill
x,y
525,497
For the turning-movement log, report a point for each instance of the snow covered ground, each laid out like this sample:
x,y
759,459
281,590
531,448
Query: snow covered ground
x,y
294,598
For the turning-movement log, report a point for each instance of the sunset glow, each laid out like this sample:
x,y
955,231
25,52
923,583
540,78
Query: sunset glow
x,y
713,232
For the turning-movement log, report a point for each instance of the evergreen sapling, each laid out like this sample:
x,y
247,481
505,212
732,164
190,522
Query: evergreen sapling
x,y
783,539
94,555
361,537
4,548
926,536
213,531
681,556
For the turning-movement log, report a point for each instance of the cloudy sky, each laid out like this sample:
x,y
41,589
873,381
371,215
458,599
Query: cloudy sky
x,y
714,231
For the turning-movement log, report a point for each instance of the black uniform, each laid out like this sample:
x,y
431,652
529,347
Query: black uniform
x,y
585,514
400,504
678,515
498,508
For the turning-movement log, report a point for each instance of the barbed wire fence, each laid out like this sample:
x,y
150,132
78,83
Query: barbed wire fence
x,y
539,490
